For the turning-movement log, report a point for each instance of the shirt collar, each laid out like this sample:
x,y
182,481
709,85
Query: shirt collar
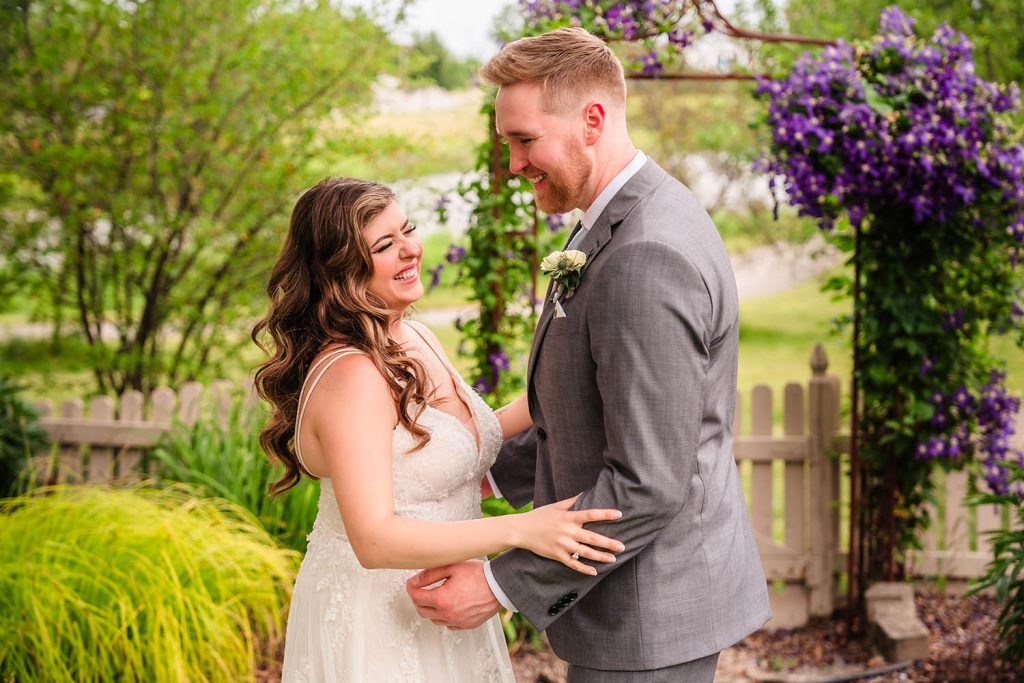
x,y
591,215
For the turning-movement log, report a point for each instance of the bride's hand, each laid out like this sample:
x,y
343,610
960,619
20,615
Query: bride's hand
x,y
556,532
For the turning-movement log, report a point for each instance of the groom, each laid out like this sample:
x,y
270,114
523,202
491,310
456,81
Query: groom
x,y
632,384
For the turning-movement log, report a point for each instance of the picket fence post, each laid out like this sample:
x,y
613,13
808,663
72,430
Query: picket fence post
x,y
823,491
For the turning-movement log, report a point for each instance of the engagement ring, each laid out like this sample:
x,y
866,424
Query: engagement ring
x,y
576,555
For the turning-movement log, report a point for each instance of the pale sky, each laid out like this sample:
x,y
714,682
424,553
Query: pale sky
x,y
464,26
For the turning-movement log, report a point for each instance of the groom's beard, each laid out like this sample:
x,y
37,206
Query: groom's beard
x,y
564,191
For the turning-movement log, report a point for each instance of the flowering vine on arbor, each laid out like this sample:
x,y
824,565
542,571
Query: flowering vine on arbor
x,y
661,29
915,165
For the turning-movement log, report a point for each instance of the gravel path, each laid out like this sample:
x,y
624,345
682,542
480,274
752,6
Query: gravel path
x,y
962,649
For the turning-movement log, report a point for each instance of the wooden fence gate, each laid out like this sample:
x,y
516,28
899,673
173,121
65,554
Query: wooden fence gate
x,y
792,475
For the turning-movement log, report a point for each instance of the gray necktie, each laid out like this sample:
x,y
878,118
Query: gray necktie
x,y
578,237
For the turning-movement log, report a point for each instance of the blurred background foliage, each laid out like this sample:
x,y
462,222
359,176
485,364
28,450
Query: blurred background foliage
x,y
146,147
149,155
430,63
88,259
992,25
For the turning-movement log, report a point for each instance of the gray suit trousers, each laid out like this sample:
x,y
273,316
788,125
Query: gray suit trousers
x,y
697,671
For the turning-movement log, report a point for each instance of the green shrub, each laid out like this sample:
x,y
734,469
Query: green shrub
x,y
140,584
1006,571
227,462
20,436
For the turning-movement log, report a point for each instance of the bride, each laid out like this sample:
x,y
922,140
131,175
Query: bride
x,y
368,403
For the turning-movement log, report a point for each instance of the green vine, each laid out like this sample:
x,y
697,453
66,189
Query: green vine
x,y
499,267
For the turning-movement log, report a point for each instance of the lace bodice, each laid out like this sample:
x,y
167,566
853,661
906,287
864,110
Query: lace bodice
x,y
352,624
441,481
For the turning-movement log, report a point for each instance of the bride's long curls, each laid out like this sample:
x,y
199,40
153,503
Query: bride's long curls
x,y
318,298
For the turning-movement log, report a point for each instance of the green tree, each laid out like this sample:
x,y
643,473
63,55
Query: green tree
x,y
433,63
993,26
153,149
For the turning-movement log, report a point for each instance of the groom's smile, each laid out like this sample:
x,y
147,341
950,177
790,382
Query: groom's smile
x,y
544,147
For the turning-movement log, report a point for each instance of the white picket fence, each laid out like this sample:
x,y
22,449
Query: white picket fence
x,y
791,472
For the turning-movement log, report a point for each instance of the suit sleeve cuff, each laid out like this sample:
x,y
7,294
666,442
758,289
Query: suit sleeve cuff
x,y
496,589
494,485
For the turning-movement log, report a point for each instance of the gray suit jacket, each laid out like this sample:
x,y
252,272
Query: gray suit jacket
x,y
632,395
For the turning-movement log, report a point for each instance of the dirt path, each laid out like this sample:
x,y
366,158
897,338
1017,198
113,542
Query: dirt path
x,y
762,271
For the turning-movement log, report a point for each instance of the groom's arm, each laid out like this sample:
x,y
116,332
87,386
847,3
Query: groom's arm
x,y
648,335
513,470
512,478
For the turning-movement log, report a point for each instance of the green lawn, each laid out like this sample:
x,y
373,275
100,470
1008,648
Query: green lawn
x,y
777,336
409,145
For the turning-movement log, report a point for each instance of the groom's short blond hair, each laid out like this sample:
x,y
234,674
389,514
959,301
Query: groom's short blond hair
x,y
570,64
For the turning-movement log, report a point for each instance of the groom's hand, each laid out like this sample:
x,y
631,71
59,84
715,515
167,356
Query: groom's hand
x,y
463,601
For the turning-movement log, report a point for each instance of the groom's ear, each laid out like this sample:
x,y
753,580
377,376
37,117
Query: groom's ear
x,y
593,121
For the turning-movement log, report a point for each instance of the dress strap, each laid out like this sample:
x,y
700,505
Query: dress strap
x,y
323,364
457,382
437,352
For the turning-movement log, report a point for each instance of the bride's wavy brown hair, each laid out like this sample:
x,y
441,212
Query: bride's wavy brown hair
x,y
319,297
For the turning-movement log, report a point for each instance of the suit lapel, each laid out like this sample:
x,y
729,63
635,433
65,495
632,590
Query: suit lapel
x,y
636,188
592,243
546,315
547,311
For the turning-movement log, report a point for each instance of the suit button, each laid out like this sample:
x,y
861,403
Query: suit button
x,y
541,434
553,611
572,596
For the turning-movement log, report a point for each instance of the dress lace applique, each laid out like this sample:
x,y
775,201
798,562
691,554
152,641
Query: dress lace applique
x,y
348,623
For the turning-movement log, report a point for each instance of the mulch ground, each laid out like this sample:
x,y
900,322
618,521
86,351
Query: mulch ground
x,y
962,649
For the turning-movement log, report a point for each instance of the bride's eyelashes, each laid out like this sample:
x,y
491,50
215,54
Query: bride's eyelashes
x,y
387,245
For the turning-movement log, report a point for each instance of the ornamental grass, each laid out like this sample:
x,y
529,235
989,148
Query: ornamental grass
x,y
136,584
226,461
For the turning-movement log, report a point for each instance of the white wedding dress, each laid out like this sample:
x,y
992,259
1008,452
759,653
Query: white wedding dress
x,y
357,625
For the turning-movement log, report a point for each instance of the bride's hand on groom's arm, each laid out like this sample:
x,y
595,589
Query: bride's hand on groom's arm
x,y
458,596
556,532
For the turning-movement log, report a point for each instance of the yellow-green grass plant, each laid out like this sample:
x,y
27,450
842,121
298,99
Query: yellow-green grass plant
x,y
136,584
226,461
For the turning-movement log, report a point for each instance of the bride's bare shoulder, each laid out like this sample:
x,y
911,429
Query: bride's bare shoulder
x,y
337,375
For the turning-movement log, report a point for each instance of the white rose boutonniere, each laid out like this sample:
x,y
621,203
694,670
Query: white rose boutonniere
x,y
566,269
